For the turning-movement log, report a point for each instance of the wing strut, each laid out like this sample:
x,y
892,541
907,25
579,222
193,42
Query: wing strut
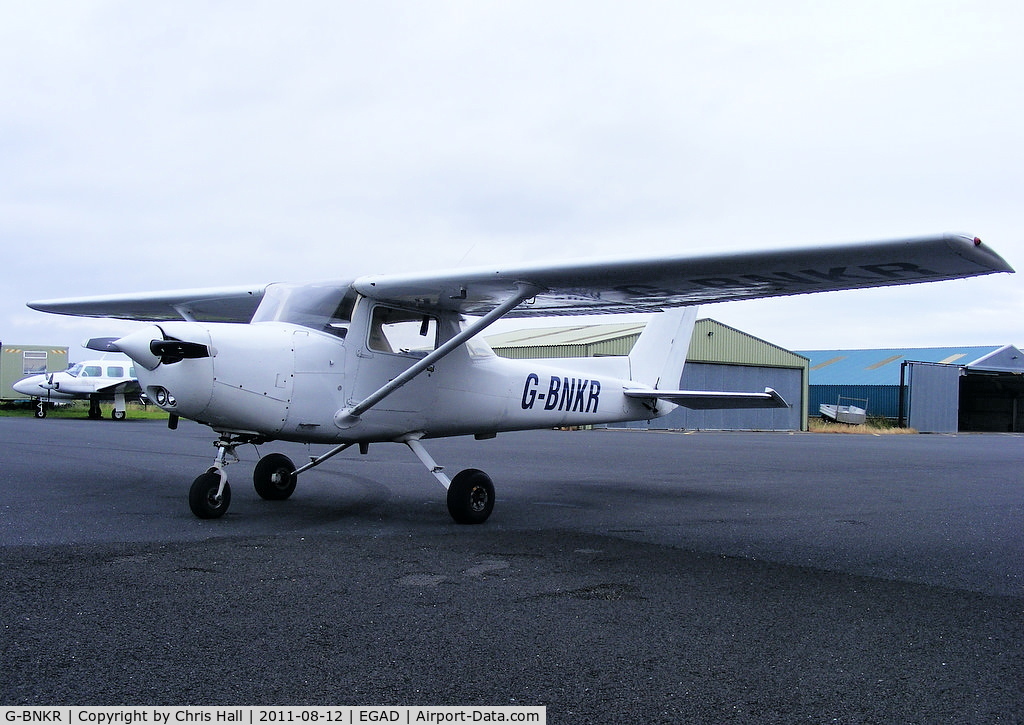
x,y
347,417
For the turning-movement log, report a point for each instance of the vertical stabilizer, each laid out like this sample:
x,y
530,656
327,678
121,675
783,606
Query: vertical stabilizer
x,y
657,357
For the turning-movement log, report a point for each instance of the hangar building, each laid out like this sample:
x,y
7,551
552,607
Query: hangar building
x,y
720,358
934,390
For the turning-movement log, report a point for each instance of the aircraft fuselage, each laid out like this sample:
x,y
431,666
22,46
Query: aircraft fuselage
x,y
290,382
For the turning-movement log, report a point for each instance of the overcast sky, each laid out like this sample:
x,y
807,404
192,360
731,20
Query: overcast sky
x,y
149,146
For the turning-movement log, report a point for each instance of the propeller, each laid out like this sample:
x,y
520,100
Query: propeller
x,y
102,344
150,347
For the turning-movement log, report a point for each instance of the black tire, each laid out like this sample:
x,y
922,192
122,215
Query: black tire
x,y
202,497
118,414
40,411
471,497
274,477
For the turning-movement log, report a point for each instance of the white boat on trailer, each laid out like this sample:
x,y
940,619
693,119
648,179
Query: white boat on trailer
x,y
845,412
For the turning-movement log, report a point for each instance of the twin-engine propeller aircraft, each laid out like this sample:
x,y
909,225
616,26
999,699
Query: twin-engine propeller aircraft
x,y
399,358
93,380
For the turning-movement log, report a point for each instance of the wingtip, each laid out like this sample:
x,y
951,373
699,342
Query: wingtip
x,y
981,253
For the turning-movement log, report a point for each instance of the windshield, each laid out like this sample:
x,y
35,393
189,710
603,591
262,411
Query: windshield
x,y
326,307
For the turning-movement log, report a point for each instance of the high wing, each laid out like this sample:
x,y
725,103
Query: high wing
x,y
598,287
650,285
215,304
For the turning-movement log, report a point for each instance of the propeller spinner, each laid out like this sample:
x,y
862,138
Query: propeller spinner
x,y
150,347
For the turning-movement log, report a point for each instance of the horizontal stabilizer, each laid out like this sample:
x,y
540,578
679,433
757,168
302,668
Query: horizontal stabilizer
x,y
713,400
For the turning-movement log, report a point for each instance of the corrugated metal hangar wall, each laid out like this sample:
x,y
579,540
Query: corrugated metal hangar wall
x,y
985,396
719,358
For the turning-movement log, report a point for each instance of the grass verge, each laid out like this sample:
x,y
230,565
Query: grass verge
x,y
80,409
873,426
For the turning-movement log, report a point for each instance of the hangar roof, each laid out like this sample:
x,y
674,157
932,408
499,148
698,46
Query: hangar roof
x,y
711,342
567,341
882,367
565,334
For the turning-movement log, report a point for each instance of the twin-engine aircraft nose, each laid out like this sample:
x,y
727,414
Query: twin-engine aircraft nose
x,y
30,386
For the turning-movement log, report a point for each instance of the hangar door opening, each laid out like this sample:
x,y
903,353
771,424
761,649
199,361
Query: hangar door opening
x,y
949,398
991,402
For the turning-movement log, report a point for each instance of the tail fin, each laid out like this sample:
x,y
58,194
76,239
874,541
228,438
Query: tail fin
x,y
657,357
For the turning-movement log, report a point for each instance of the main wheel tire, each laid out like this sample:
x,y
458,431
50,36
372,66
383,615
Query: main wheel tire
x,y
202,497
274,477
471,497
118,414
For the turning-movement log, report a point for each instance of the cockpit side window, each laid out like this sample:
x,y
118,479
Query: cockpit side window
x,y
402,331
92,371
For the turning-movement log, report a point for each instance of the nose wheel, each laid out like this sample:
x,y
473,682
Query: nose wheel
x,y
209,496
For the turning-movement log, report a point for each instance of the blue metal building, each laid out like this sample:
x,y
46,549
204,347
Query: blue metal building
x,y
956,388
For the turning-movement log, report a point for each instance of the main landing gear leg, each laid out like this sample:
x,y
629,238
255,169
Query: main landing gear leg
x,y
470,493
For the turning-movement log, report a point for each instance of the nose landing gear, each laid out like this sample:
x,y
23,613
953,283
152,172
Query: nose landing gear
x,y
210,494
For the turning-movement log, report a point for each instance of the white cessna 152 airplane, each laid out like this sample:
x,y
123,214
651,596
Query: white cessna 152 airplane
x,y
92,380
396,359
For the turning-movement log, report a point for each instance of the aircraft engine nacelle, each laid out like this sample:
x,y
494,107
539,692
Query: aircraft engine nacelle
x,y
228,376
183,387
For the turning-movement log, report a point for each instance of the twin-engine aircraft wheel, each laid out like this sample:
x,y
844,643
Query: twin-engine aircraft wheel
x,y
118,414
274,477
471,497
202,497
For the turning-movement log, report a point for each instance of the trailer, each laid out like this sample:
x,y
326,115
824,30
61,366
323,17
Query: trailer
x,y
20,361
